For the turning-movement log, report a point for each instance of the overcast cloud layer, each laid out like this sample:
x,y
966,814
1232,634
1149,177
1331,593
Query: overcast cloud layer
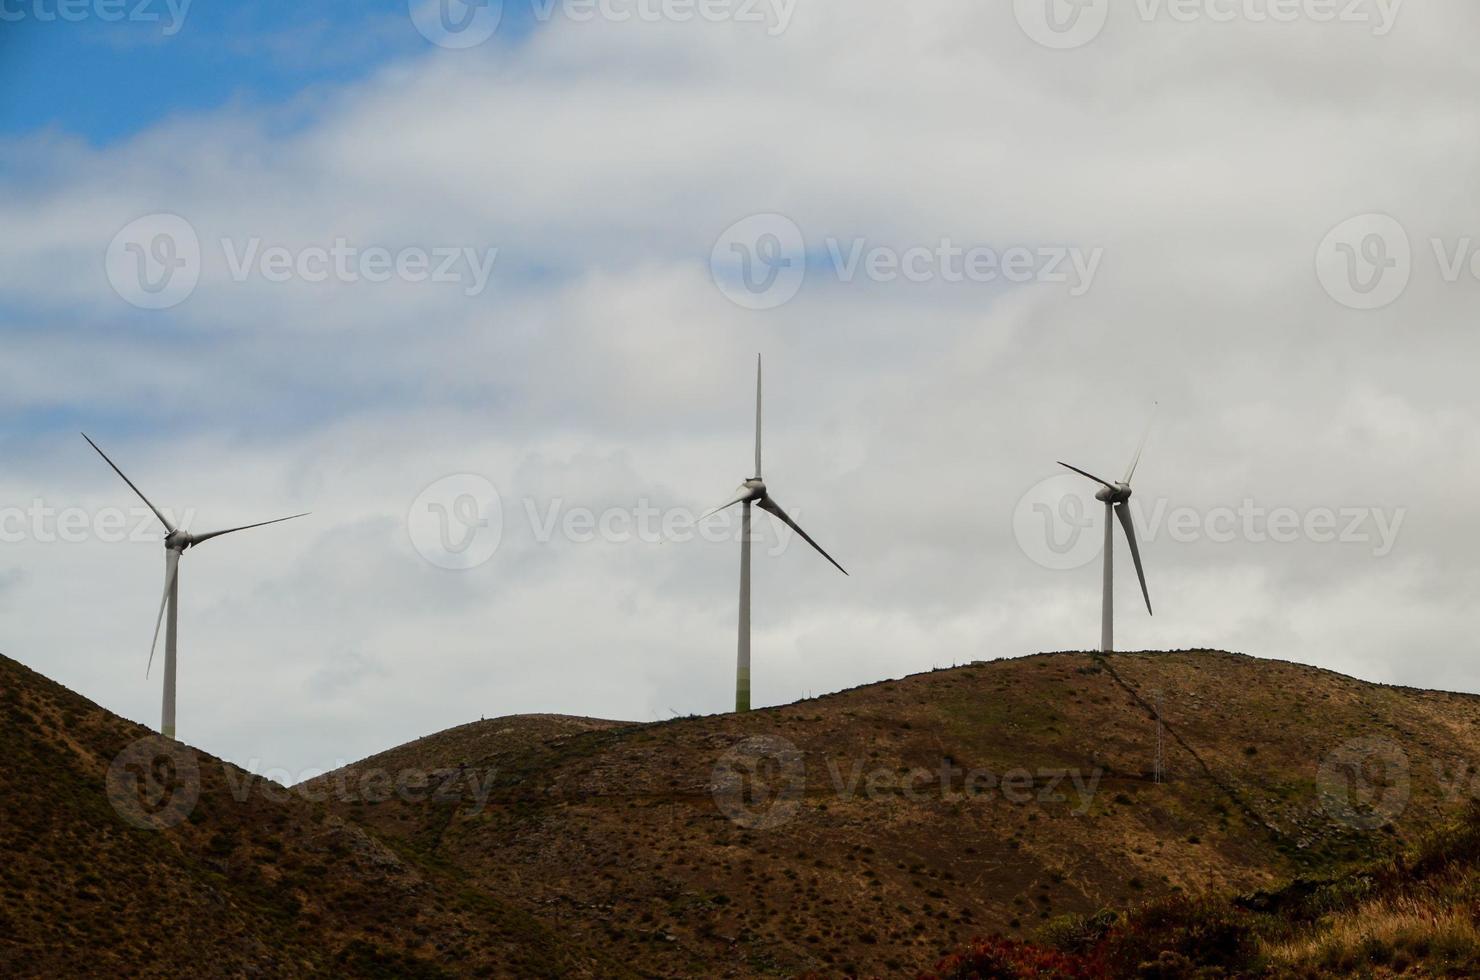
x,y
1203,162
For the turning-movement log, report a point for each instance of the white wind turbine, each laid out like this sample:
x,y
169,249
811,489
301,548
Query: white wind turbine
x,y
175,545
1115,497
753,491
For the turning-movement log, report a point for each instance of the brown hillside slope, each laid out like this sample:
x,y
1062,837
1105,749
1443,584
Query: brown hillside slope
x,y
618,838
707,846
265,885
419,766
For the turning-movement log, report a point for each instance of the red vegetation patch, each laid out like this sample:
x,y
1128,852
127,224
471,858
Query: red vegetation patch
x,y
1008,959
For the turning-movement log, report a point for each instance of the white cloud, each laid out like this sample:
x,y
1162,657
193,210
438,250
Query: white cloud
x,y
602,365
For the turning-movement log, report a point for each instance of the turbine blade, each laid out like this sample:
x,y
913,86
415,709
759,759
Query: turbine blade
x,y
1083,473
742,495
774,509
168,526
1136,460
171,569
199,538
757,416
1123,512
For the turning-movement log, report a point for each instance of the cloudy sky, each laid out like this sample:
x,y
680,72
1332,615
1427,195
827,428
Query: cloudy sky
x,y
464,280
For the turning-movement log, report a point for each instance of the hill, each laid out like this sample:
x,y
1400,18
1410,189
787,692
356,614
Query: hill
x,y
240,878
1414,915
830,840
869,832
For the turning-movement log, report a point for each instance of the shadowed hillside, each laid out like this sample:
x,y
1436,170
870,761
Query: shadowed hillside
x,y
868,832
249,880
1413,915
845,835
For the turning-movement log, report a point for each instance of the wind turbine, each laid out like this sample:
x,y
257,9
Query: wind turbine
x,y
1115,497
175,545
754,491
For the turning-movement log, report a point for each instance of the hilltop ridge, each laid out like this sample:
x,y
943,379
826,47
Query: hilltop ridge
x,y
866,832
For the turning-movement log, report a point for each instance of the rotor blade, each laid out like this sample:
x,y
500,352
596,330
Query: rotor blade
x,y
1123,512
775,509
1082,473
168,526
171,569
757,416
1136,460
742,495
197,539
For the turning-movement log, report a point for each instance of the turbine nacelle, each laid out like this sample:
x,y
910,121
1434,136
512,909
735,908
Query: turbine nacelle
x,y
1115,496
754,491
177,541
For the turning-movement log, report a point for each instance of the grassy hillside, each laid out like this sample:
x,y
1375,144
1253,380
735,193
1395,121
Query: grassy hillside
x,y
1416,914
870,832
264,885
616,837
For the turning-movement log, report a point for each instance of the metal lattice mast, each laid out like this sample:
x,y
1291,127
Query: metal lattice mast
x,y
1160,771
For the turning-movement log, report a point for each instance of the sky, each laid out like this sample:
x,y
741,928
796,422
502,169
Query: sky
x,y
482,288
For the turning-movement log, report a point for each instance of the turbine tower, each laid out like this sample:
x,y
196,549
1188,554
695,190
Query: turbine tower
x,y
176,543
1115,497
753,491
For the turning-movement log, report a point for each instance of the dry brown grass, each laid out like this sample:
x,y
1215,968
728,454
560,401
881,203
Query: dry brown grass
x,y
600,849
1432,932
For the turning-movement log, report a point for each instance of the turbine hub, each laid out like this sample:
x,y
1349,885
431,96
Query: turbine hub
x,y
179,540
757,488
1118,495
